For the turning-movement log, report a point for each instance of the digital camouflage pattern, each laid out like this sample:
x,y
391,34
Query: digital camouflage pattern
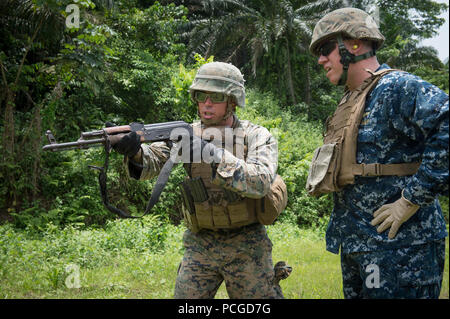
x,y
242,258
350,22
282,271
154,156
408,272
405,120
220,77
251,177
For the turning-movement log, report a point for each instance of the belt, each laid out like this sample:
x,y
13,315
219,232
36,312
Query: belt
x,y
229,231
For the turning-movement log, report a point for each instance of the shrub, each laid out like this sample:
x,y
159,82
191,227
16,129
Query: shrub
x,y
297,139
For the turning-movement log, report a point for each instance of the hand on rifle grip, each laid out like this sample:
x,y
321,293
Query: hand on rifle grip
x,y
198,145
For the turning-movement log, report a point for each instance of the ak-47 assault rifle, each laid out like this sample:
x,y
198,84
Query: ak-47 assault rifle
x,y
108,136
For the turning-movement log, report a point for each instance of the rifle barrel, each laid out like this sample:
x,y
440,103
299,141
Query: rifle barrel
x,y
149,133
80,144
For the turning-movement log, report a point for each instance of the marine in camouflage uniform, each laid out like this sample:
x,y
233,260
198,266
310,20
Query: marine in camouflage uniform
x,y
240,256
390,229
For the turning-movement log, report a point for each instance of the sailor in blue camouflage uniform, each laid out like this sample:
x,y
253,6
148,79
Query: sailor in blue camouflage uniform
x,y
390,229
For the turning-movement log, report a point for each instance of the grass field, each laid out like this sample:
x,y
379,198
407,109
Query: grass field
x,y
37,268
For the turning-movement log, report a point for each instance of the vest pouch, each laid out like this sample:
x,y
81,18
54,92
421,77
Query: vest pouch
x,y
271,206
189,219
220,217
187,207
323,172
238,212
203,213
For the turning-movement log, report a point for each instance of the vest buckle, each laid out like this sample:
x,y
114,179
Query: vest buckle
x,y
373,169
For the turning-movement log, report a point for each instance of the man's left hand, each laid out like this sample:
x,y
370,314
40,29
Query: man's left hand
x,y
393,215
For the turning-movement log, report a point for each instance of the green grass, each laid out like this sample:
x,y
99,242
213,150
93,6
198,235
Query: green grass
x,y
112,267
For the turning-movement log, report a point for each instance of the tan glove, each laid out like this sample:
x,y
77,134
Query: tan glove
x,y
394,215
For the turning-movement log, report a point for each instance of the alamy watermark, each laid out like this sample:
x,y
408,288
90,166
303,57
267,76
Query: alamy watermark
x,y
189,150
73,278
373,20
73,18
373,279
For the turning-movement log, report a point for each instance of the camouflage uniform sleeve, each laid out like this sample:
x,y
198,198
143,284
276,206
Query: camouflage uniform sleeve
x,y
153,158
251,177
423,117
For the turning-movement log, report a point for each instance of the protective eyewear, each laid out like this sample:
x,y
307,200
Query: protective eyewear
x,y
327,48
215,97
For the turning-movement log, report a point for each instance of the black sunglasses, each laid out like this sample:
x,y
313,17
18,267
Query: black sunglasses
x,y
326,48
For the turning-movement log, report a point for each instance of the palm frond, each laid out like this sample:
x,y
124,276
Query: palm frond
x,y
316,9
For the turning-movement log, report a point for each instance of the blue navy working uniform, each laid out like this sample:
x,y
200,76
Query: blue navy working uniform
x,y
405,120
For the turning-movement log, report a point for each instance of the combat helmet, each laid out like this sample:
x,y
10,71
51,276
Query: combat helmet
x,y
347,23
220,77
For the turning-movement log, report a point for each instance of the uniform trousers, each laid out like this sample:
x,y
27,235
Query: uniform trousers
x,y
242,258
408,273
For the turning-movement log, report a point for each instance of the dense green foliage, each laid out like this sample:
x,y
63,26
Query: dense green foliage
x,y
134,60
44,257
297,140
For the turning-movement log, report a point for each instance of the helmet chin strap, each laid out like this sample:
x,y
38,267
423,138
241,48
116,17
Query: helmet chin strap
x,y
347,58
230,111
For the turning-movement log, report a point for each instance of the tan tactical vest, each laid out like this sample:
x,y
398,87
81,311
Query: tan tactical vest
x,y
218,213
334,163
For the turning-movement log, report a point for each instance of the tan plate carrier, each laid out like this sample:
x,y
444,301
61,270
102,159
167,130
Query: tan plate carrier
x,y
216,213
334,163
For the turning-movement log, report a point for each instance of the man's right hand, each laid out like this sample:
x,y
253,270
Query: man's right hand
x,y
198,145
193,149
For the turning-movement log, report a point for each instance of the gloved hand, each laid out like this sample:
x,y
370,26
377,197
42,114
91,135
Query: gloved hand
x,y
200,146
128,145
394,215
125,144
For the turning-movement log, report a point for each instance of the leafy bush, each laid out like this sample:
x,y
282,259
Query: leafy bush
x,y
40,260
72,192
87,248
297,139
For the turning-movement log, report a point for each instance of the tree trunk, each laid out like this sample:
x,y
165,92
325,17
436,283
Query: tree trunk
x,y
8,133
308,89
290,83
